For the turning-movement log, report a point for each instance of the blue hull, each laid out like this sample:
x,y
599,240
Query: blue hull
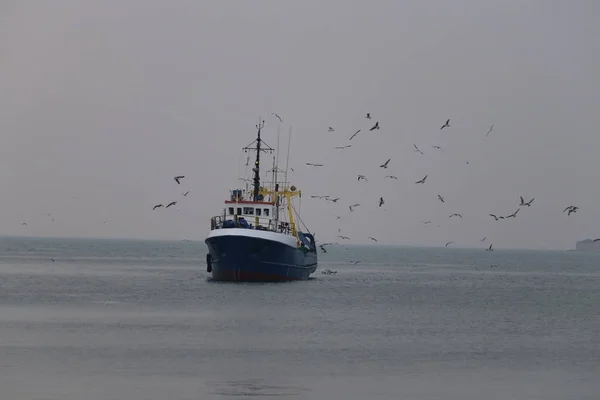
x,y
250,259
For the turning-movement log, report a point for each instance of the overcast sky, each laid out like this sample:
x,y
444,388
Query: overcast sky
x,y
102,103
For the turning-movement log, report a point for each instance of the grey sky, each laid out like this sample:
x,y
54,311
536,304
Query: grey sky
x,y
102,103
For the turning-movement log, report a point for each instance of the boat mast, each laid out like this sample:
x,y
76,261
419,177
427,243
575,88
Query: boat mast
x,y
260,146
256,168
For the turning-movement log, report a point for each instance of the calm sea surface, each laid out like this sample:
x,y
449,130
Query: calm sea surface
x,y
129,320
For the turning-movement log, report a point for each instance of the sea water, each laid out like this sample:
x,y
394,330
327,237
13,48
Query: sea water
x,y
123,319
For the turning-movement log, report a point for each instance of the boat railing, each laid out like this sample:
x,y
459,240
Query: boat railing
x,y
251,222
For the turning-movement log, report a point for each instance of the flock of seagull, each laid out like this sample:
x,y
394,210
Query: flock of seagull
x,y
352,207
171,204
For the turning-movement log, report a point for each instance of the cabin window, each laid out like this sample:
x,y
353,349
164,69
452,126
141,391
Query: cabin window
x,y
258,212
230,210
239,211
248,210
266,212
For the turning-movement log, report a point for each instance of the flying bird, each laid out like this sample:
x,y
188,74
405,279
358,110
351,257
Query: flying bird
x,y
490,131
392,177
332,200
437,147
185,194
363,178
319,197
448,243
496,217
528,203
322,247
441,198
330,129
24,224
177,178
417,149
446,125
514,215
422,180
489,248
355,133
376,126
372,238
426,222
280,120
157,206
343,147
381,202
171,204
456,215
385,164
344,237
353,206
314,165
483,240
368,116
571,209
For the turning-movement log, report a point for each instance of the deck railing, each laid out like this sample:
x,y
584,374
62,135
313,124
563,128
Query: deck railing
x,y
251,222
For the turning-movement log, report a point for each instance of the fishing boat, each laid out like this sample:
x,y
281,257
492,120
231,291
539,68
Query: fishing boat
x,y
257,238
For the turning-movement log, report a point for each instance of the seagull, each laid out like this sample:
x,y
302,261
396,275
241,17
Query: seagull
x,y
446,125
456,215
330,129
171,204
385,164
417,149
437,147
489,248
280,120
157,206
319,197
333,200
422,180
426,222
363,178
353,206
483,240
381,202
354,262
513,215
376,126
185,194
24,224
323,248
392,177
372,238
343,147
448,243
571,209
314,165
355,133
344,237
441,198
490,131
528,204
495,217
177,178
368,116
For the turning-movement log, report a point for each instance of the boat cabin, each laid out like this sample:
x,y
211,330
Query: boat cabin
x,y
240,212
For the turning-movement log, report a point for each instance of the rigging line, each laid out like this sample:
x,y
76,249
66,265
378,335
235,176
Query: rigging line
x,y
299,219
